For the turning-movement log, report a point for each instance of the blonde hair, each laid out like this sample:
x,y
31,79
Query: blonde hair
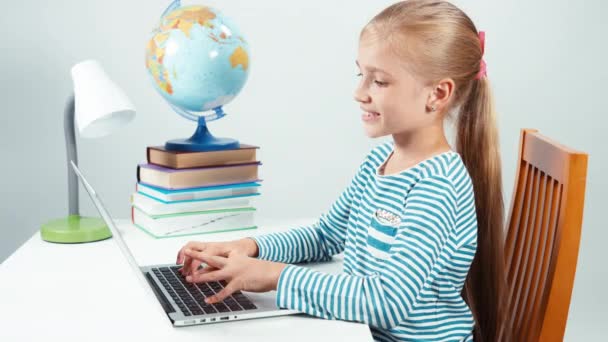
x,y
438,40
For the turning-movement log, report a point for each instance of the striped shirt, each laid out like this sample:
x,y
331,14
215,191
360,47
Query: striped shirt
x,y
408,241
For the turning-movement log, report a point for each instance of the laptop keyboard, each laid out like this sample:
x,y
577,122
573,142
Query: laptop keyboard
x,y
190,298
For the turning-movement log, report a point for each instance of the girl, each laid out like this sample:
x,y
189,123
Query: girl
x,y
420,224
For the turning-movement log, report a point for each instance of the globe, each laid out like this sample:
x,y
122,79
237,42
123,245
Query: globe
x,y
198,61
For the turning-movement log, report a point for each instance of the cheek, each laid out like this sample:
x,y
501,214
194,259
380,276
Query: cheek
x,y
402,110
396,107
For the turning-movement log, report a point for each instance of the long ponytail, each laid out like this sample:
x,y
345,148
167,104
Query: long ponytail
x,y
477,143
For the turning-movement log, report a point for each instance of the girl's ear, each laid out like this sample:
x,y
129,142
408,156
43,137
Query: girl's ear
x,y
440,95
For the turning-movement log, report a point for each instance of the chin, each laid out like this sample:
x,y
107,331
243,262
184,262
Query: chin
x,y
372,133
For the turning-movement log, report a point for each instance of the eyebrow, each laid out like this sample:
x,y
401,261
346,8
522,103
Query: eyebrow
x,y
372,68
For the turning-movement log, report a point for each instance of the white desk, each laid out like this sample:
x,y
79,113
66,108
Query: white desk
x,y
87,292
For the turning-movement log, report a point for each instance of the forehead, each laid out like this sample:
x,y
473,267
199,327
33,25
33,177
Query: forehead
x,y
376,53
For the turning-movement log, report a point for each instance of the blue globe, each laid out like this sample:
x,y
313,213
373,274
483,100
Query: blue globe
x,y
198,60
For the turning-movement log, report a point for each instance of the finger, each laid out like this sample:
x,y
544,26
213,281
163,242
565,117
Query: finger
x,y
206,269
190,264
226,291
207,277
186,266
180,254
211,260
193,245
195,264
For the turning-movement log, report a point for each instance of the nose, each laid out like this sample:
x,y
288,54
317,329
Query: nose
x,y
361,95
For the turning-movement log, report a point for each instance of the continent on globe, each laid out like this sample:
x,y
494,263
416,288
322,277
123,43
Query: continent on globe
x,y
183,18
239,57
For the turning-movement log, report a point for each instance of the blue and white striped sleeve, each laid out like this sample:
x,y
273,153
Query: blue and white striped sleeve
x,y
317,242
386,297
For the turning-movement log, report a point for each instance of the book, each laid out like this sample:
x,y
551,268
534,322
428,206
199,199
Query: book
x,y
210,192
199,177
158,155
152,206
215,221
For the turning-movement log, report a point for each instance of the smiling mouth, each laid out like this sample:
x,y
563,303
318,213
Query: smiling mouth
x,y
370,116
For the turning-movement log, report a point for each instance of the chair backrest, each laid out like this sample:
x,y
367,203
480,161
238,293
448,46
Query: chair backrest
x,y
543,236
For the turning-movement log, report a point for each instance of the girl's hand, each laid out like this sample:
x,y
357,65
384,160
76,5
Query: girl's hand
x,y
245,246
240,271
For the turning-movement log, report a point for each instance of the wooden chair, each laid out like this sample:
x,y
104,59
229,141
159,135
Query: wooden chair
x,y
543,236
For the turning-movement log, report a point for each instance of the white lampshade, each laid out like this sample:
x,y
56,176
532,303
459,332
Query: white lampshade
x,y
100,105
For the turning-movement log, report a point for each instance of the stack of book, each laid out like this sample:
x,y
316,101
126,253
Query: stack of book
x,y
187,193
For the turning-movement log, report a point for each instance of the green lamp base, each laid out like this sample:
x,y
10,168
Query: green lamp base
x,y
75,229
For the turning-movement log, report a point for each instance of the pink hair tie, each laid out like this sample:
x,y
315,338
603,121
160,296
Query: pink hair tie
x,y
482,65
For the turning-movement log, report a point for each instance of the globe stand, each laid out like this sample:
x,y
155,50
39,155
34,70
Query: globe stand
x,y
202,140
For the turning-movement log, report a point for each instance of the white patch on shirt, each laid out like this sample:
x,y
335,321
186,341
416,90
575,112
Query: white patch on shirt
x,y
386,219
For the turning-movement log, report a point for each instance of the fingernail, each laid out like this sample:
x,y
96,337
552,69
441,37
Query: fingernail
x,y
189,278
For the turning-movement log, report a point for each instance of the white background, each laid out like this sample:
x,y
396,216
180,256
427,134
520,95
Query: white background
x,y
546,60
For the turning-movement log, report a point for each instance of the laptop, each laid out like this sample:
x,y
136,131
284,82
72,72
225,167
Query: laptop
x,y
183,302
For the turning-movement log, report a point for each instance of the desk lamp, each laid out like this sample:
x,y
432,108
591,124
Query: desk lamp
x,y
99,106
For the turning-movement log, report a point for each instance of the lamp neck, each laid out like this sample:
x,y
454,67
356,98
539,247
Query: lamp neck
x,y
70,147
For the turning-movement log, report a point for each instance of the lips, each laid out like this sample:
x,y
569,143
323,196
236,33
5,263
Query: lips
x,y
369,112
370,116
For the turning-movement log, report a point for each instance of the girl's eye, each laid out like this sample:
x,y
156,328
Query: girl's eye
x,y
378,83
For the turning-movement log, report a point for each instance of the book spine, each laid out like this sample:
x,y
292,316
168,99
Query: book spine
x,y
192,225
153,207
198,196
